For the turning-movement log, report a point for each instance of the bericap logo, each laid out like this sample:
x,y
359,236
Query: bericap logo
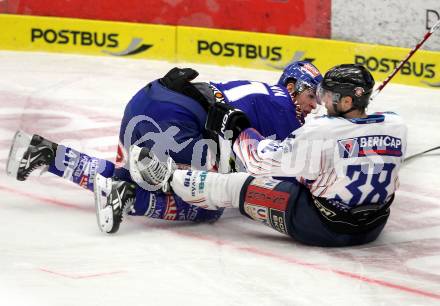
x,y
348,147
384,145
87,38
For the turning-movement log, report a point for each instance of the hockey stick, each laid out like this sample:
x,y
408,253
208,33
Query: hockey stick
x,y
434,28
421,153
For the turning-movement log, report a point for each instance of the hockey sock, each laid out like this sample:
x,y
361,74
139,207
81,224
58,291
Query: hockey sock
x,y
208,190
267,200
159,205
78,167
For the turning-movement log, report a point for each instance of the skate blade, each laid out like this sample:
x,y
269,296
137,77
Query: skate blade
x,y
20,143
104,214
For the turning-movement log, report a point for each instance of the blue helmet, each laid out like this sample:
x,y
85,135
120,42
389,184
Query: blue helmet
x,y
304,73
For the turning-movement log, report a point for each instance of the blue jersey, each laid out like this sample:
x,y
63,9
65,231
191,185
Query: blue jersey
x,y
269,107
159,116
170,122
167,121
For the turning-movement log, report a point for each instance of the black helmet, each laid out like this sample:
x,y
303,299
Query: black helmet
x,y
351,80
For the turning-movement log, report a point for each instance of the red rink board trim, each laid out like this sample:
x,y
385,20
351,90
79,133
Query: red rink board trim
x,y
311,18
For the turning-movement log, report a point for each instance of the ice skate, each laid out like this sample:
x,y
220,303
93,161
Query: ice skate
x,y
113,201
148,171
29,152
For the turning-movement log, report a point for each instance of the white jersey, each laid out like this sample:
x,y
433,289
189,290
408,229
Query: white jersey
x,y
352,162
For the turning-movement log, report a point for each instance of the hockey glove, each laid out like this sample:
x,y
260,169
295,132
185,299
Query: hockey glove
x,y
226,121
179,80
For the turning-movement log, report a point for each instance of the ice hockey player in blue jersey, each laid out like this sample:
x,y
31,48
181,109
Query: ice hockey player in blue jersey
x,y
168,116
346,165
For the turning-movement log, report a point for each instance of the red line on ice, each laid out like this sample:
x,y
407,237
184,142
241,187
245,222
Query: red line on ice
x,y
45,199
80,276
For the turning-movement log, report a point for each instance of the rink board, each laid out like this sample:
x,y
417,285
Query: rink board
x,y
66,35
270,51
211,46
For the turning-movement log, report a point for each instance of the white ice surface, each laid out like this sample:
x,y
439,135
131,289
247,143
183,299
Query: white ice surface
x,y
52,253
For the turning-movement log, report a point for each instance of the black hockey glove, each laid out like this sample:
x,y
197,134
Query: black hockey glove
x,y
226,121
179,80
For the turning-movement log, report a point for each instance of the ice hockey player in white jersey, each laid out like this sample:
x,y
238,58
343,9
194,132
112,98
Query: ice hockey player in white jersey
x,y
346,167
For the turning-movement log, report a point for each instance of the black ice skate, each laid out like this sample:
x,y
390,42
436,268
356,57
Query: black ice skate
x,y
29,152
148,171
113,200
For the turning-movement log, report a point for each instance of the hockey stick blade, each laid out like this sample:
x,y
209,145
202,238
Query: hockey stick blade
x,y
435,27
